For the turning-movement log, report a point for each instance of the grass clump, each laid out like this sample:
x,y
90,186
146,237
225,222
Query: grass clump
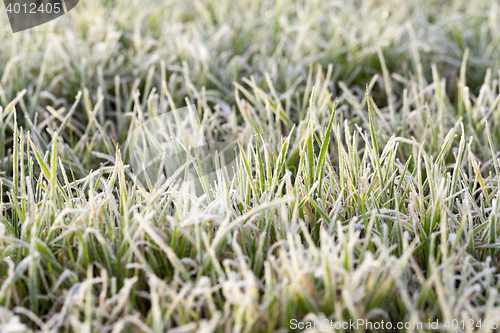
x,y
365,184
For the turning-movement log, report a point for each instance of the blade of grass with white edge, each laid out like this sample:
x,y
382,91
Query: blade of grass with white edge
x,y
324,146
280,161
310,143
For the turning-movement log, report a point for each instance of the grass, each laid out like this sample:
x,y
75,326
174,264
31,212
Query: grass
x,y
365,184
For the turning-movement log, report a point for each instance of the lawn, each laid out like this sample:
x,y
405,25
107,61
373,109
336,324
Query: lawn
x,y
246,166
